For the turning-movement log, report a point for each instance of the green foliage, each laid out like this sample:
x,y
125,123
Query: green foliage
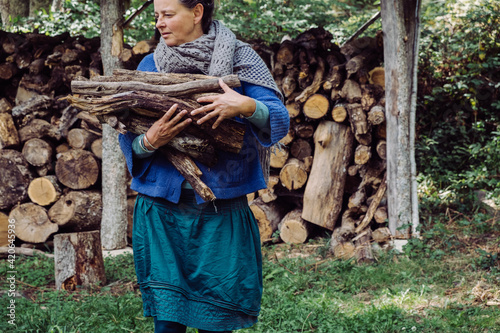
x,y
77,18
271,20
458,114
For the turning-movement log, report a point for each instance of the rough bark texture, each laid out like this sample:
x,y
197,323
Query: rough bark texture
x,y
325,188
78,260
401,25
114,210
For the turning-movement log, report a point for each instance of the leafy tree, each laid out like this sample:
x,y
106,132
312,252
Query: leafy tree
x,y
458,121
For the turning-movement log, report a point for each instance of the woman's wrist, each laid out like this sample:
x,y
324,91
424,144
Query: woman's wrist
x,y
248,107
147,143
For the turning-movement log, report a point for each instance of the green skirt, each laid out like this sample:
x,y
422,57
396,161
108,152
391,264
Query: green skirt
x,y
198,265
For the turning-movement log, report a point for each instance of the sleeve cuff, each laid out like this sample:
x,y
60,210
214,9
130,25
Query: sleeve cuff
x,y
137,149
260,118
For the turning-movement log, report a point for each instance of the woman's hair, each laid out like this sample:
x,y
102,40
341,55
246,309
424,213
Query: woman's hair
x,y
208,12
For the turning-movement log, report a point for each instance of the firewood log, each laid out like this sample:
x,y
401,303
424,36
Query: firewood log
x,y
373,205
279,157
381,235
44,190
339,247
15,176
304,130
37,152
289,137
301,149
377,76
4,229
293,107
381,149
360,127
32,223
286,53
380,215
78,260
79,138
339,112
96,148
77,169
376,115
293,228
5,106
289,83
267,194
39,104
78,211
93,88
293,175
7,70
316,83
325,188
268,216
38,129
144,47
8,132
316,106
68,119
363,250
335,74
351,91
362,154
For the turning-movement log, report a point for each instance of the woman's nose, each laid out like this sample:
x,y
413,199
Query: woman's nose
x,y
160,23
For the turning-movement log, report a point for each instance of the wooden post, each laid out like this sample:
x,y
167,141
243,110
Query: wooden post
x,y
401,26
114,189
78,260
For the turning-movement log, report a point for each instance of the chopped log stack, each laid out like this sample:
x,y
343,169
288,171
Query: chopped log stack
x,y
331,166
49,153
328,173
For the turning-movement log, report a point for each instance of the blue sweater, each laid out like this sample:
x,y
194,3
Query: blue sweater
x,y
234,175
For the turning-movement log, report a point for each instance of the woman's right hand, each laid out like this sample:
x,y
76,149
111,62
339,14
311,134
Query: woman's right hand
x,y
165,128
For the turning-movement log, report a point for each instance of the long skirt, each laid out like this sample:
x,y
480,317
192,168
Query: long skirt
x,y
198,265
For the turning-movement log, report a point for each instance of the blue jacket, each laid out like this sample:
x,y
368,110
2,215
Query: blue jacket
x,y
234,175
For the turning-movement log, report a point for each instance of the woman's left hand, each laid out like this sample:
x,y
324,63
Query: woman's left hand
x,y
224,106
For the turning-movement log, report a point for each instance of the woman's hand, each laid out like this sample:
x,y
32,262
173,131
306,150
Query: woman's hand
x,y
165,128
225,106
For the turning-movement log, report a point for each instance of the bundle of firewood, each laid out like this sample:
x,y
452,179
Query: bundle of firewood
x,y
330,169
131,101
49,151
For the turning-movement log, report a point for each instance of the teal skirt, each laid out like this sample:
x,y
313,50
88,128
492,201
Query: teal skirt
x,y
198,265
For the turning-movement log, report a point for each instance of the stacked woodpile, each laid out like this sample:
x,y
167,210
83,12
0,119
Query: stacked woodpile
x,y
49,153
329,172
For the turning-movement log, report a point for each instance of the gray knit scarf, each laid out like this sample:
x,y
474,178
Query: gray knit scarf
x,y
218,53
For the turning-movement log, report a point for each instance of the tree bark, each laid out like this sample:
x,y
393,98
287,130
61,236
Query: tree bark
x,y
78,211
78,260
325,188
114,189
401,26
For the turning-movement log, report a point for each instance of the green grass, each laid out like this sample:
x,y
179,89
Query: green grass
x,y
436,286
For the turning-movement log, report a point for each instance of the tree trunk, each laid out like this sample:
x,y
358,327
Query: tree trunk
x,y
78,260
401,26
114,189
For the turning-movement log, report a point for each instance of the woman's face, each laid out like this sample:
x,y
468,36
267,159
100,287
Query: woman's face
x,y
178,24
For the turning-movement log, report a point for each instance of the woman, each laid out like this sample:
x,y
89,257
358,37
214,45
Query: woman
x,y
199,264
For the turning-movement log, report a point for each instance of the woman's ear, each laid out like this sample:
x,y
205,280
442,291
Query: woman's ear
x,y
198,12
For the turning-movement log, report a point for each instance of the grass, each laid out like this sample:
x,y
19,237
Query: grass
x,y
447,281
